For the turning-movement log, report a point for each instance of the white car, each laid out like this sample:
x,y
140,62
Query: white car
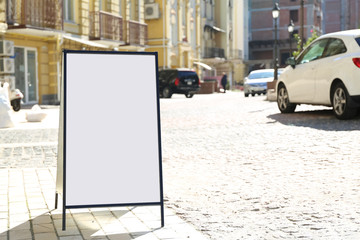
x,y
326,73
256,81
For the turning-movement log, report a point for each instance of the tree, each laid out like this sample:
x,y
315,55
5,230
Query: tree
x,y
298,40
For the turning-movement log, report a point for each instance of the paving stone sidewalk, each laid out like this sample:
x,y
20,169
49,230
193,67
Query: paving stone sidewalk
x,y
27,196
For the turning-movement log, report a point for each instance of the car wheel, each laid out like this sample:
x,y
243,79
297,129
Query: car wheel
x,y
189,95
283,102
167,93
253,94
340,102
246,94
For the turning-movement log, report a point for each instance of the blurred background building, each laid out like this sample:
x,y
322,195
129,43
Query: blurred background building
x,y
262,25
41,29
206,35
222,42
209,36
320,17
340,15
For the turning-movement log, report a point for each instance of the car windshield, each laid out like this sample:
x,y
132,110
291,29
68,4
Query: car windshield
x,y
257,75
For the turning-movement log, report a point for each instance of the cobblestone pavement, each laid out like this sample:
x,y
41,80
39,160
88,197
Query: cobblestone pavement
x,y
30,144
238,169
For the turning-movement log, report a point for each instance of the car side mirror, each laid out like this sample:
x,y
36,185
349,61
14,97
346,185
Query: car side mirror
x,y
291,61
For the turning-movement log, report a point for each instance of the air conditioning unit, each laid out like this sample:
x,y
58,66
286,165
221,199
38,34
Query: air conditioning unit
x,y
7,65
6,48
8,79
149,1
152,11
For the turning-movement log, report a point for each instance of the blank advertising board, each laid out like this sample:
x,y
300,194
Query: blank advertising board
x,y
110,131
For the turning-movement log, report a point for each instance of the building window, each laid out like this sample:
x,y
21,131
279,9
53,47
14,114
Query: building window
x,y
69,14
174,23
202,8
294,15
120,7
184,22
209,10
230,10
134,8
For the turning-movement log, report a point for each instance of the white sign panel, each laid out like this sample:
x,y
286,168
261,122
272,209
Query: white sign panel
x,y
111,131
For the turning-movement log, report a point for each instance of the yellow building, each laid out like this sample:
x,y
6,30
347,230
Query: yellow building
x,y
41,29
206,35
174,31
223,38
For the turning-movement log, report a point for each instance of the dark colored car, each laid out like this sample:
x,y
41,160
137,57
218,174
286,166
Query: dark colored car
x,y
180,80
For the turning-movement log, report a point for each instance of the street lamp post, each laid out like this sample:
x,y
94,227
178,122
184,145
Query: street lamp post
x,y
275,15
302,24
290,30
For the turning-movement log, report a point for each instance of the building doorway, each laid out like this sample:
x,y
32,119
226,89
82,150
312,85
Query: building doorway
x,y
26,73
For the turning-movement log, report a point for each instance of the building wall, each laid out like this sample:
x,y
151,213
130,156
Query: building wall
x,y
49,43
47,58
84,8
222,40
177,35
240,40
340,15
159,36
174,34
262,25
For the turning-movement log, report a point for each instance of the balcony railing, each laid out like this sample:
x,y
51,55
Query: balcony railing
x,y
137,33
43,14
211,52
105,26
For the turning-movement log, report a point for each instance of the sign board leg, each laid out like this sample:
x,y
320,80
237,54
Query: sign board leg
x,y
64,218
162,215
56,200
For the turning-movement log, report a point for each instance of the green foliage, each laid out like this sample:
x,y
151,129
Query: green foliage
x,y
298,40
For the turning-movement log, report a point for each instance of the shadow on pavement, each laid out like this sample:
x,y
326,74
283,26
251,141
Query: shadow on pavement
x,y
84,225
317,119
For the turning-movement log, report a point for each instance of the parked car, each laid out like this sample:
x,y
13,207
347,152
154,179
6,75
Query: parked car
x,y
326,73
180,80
256,81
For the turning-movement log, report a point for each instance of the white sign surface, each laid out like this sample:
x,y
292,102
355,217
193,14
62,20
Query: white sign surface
x,y
112,136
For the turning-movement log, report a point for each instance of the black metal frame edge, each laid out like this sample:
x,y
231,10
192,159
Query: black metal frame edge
x,y
64,145
161,203
112,205
159,139
110,52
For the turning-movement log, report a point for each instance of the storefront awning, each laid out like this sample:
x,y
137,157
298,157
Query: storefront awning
x,y
207,67
214,28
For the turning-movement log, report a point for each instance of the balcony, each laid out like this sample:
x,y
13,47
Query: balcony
x,y
137,33
211,52
35,14
105,26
